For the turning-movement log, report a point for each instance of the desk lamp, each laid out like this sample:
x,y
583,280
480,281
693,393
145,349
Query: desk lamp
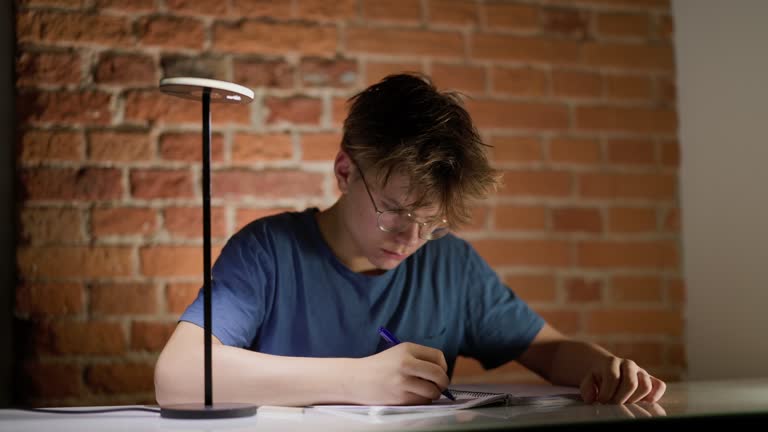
x,y
207,90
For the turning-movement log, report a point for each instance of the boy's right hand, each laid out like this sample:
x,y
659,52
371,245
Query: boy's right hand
x,y
406,374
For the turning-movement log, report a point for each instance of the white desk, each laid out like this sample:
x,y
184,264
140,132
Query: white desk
x,y
717,403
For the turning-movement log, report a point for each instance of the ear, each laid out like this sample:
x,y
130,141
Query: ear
x,y
343,169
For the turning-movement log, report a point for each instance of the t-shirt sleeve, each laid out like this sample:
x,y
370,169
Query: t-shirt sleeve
x,y
241,278
499,325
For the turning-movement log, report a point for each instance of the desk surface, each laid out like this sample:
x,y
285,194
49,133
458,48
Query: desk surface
x,y
729,403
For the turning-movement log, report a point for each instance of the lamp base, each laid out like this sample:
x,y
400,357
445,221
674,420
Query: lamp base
x,y
202,411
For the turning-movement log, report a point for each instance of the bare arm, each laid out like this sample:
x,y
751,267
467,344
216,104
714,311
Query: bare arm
x,y
600,375
404,374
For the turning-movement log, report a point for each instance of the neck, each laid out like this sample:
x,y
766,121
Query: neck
x,y
339,240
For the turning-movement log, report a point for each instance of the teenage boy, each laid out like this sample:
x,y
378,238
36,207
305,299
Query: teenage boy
x,y
298,297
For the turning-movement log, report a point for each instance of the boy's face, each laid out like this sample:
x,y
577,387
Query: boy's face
x,y
385,250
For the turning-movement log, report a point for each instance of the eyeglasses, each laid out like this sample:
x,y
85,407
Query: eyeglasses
x,y
398,221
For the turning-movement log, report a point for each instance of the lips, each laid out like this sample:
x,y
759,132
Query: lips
x,y
394,255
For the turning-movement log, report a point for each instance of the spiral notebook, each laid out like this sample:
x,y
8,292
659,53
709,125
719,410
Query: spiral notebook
x,y
465,399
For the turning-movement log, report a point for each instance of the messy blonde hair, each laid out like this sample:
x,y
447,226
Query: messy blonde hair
x,y
404,125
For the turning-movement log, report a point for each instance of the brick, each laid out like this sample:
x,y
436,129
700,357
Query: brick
x,y
128,6
577,219
46,146
321,146
520,218
90,337
34,68
624,25
376,71
478,219
628,87
188,146
636,289
74,262
187,222
581,290
634,321
516,148
537,183
665,27
325,10
72,184
171,261
676,291
631,151
261,8
574,23
203,7
453,12
274,38
113,68
264,73
245,216
641,120
319,72
525,49
670,153
630,57
402,42
676,355
267,184
536,253
520,81
161,183
641,254
339,111
294,109
511,16
51,380
123,221
672,220
202,66
149,107
251,147
54,3
50,225
645,354
170,32
123,299
85,107
115,378
575,150
666,90
564,320
631,219
123,146
399,11
644,186
463,78
627,4
576,84
518,115
73,28
150,336
533,287
49,299
178,296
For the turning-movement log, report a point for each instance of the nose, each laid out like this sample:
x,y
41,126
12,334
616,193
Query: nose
x,y
410,236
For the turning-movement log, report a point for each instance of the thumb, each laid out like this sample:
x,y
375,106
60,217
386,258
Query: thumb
x,y
588,388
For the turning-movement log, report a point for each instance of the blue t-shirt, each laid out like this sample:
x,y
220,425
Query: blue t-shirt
x,y
279,289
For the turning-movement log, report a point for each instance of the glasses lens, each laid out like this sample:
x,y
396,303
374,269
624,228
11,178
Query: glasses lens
x,y
432,232
392,221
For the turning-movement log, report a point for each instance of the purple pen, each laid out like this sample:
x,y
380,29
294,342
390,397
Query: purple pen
x,y
392,340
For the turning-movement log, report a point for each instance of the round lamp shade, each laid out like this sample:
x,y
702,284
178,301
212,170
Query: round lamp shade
x,y
192,88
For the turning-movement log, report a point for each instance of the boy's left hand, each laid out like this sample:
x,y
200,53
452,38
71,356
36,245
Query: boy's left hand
x,y
620,381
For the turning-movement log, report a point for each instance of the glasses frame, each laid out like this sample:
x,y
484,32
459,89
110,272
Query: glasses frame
x,y
421,225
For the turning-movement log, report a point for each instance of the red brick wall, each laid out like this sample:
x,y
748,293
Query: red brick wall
x,y
577,96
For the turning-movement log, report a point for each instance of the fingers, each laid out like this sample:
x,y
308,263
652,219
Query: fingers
x,y
609,381
588,389
644,387
426,353
427,371
627,383
658,387
420,391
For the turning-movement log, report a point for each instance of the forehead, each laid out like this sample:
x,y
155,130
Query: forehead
x,y
396,193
